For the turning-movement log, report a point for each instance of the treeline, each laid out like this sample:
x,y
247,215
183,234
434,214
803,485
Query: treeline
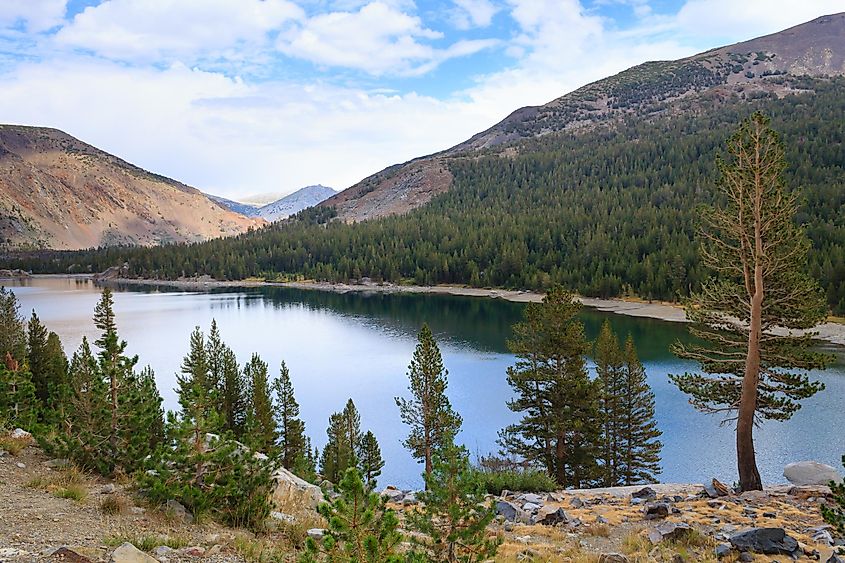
x,y
604,213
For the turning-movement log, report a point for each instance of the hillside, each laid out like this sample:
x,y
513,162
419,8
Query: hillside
x,y
59,192
283,207
652,90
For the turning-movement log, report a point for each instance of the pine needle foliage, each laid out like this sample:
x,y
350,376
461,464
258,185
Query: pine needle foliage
x,y
360,527
344,443
560,428
429,412
834,513
750,371
610,374
261,434
454,516
371,461
639,442
292,445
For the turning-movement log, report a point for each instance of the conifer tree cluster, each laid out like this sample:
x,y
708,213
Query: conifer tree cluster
x,y
347,447
630,449
582,431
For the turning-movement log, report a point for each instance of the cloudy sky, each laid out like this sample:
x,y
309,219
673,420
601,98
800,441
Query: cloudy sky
x,y
239,97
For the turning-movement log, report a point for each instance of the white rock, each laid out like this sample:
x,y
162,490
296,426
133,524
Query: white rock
x,y
19,433
282,517
811,473
291,492
128,553
20,465
316,534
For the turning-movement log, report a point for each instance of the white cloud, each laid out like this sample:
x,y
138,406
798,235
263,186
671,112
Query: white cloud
x,y
378,39
473,13
184,30
729,19
36,15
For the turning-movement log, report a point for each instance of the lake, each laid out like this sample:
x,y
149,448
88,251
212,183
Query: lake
x,y
359,345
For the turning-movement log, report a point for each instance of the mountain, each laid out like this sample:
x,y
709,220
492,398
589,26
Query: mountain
x,y
282,208
597,191
292,204
245,209
749,69
59,192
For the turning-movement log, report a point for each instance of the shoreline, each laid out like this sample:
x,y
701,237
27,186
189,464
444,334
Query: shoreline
x,y
830,332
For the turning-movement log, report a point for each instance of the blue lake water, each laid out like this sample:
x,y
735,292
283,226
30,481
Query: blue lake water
x,y
359,345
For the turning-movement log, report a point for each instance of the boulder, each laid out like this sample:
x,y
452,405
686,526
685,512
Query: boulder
x,y
316,534
646,493
668,531
392,494
511,512
613,558
531,497
655,511
163,552
811,473
722,550
57,463
834,558
548,516
175,508
69,555
291,493
128,553
530,507
769,541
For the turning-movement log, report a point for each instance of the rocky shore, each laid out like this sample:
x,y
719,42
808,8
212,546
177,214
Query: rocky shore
x,y
107,521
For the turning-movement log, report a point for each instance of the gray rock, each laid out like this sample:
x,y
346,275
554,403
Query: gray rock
x,y
108,489
823,537
175,508
511,512
20,465
410,499
530,507
128,553
613,558
290,493
811,473
834,558
282,517
655,511
601,519
137,510
635,501
192,551
316,534
668,531
163,551
552,517
770,541
746,557
531,497
392,494
722,550
56,463
646,493
576,502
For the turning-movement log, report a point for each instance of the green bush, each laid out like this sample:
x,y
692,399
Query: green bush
x,y
835,514
223,480
523,480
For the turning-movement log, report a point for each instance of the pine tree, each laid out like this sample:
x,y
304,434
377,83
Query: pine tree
x,y
759,256
834,513
12,331
233,395
36,346
18,404
58,385
48,366
360,527
215,352
262,434
454,516
371,461
610,374
86,426
560,425
638,433
197,396
429,413
291,429
143,417
344,442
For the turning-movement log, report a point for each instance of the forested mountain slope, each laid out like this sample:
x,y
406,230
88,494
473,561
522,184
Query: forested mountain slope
x,y
58,192
605,212
648,91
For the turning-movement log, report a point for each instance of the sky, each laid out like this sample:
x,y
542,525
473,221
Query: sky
x,y
243,97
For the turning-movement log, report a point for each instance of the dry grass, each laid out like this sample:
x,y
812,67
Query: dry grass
x,y
14,445
596,529
147,542
113,504
73,492
260,550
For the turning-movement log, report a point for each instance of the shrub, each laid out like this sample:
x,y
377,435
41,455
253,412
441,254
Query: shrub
x,y
835,515
523,480
13,445
73,492
361,528
113,504
223,479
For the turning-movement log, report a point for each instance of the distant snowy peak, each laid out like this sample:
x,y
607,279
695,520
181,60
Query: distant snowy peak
x,y
292,204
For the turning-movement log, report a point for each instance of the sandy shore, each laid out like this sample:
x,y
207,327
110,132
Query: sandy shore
x,y
833,333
